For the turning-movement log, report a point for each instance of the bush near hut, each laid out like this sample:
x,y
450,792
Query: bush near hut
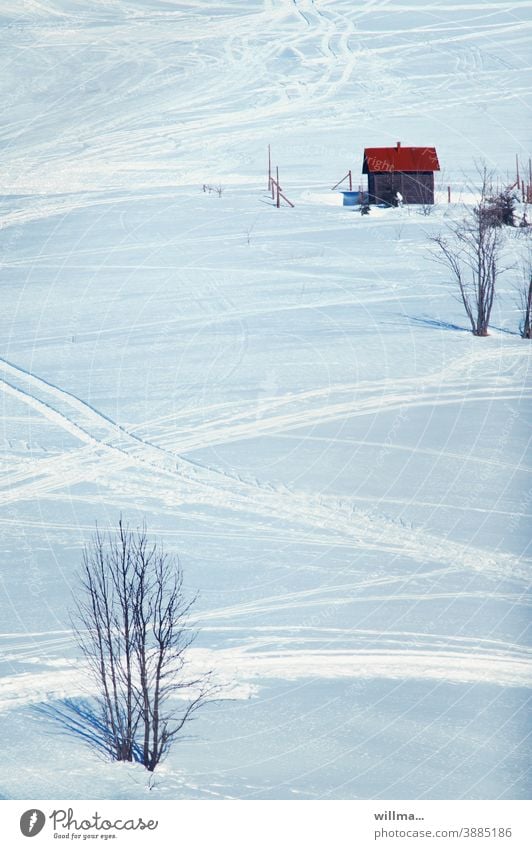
x,y
499,209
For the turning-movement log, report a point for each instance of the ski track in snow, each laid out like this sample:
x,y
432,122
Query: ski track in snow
x,y
335,47
242,666
207,487
275,416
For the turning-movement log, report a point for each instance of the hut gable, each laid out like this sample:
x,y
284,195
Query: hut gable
x,y
408,170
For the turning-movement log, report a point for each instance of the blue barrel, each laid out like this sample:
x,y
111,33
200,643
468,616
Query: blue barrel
x,y
352,198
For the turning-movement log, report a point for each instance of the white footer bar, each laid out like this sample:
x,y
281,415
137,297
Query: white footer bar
x,y
229,824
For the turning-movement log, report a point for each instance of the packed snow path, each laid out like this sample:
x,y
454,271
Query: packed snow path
x,y
204,486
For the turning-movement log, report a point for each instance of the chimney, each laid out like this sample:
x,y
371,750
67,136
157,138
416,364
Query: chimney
x,y
398,145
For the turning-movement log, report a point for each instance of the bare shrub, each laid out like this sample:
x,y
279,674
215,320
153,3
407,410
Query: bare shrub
x,y
425,209
471,251
217,190
499,209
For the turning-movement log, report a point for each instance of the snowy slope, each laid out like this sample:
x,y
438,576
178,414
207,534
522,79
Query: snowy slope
x,y
289,398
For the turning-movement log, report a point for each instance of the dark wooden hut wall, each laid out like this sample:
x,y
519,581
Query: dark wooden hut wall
x,y
415,186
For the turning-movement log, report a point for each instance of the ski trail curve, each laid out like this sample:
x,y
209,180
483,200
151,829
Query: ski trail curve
x,y
201,485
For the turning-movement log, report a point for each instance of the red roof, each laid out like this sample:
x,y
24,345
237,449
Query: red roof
x,y
400,158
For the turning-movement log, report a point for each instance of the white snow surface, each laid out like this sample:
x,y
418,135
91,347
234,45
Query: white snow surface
x,y
289,398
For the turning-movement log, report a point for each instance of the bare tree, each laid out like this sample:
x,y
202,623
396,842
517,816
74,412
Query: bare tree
x,y
471,251
525,299
132,621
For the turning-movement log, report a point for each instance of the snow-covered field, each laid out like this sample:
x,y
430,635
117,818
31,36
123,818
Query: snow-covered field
x,y
288,397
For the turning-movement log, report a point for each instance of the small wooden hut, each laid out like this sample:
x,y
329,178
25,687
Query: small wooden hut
x,y
408,170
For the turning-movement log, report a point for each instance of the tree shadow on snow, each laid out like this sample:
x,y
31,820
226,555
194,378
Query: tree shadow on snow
x,y
422,321
80,718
